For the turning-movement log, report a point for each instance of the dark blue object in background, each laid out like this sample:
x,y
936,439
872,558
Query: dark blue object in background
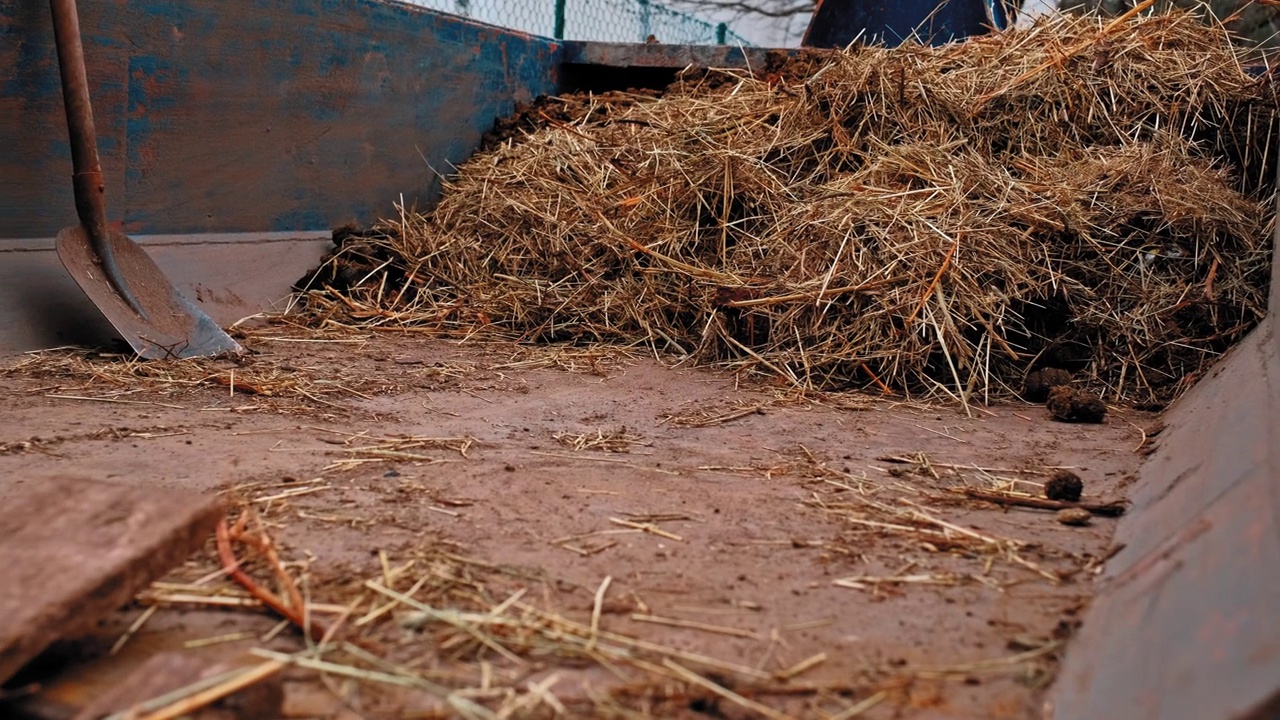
x,y
836,23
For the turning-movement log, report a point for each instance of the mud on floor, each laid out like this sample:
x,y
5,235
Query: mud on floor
x,y
586,532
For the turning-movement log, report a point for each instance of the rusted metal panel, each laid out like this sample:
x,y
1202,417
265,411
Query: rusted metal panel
x,y
35,155
254,115
1184,622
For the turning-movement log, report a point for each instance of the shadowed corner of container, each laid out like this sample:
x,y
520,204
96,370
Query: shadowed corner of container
x,y
41,303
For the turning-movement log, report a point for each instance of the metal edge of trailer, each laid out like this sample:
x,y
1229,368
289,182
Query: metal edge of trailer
x,y
672,57
1183,623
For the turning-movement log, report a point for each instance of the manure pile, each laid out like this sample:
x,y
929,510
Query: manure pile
x,y
1080,194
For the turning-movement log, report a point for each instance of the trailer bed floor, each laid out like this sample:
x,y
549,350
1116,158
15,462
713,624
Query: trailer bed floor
x,y
733,520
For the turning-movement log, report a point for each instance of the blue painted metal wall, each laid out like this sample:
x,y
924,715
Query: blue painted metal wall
x,y
253,115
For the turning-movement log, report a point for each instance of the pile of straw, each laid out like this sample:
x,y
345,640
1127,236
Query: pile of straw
x,y
1084,194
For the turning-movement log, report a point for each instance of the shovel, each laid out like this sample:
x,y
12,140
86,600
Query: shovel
x,y
117,275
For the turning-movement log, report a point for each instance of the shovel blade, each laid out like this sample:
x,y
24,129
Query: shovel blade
x,y
173,326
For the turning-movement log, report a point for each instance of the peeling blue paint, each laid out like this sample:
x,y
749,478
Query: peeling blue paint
x,y
29,54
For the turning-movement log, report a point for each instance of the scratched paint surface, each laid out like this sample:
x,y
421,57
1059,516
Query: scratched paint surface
x,y
254,115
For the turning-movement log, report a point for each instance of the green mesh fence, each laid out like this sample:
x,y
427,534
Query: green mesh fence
x,y
598,20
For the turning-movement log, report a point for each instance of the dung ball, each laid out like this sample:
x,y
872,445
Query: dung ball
x,y
1075,406
1039,382
1064,485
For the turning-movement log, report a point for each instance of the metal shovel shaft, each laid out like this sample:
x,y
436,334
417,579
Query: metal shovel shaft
x,y
90,190
139,301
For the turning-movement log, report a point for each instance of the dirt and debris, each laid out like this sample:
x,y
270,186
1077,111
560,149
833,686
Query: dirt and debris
x,y
94,375
1040,382
1064,485
1105,508
1067,404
